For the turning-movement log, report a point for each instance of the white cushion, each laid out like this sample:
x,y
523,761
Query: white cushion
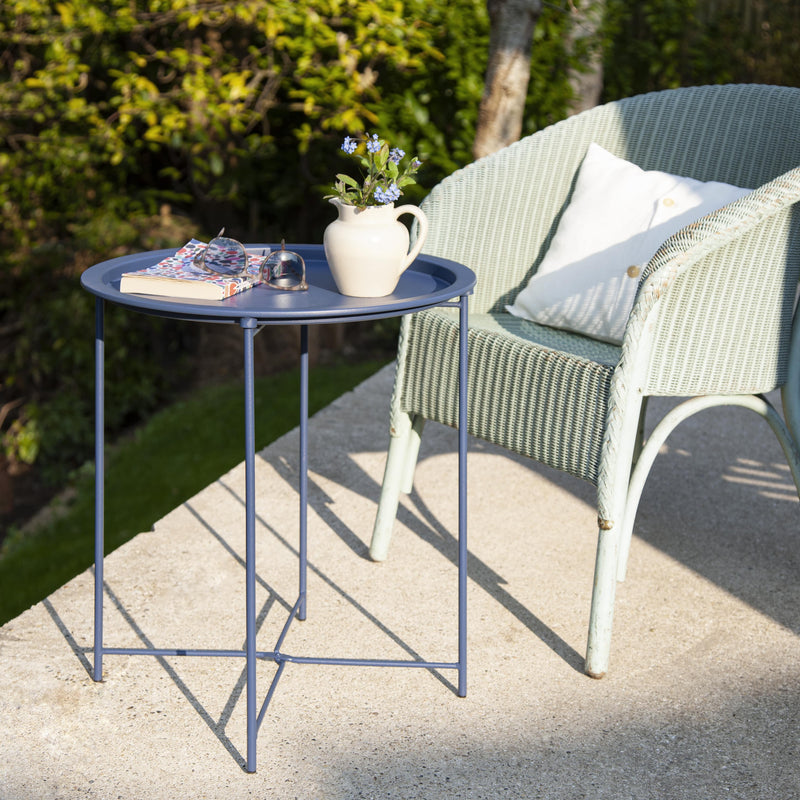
x,y
619,215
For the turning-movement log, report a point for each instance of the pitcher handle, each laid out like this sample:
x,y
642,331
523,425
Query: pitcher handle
x,y
422,233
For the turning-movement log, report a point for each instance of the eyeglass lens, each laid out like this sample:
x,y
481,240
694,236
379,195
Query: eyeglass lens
x,y
285,270
225,256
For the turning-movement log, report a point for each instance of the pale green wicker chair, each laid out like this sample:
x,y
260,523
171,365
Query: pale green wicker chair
x,y
712,320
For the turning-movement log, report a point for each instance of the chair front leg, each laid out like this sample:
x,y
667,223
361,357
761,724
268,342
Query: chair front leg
x,y
601,618
412,453
612,493
394,477
639,445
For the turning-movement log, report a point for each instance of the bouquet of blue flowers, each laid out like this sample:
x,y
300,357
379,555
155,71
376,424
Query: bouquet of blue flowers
x,y
383,180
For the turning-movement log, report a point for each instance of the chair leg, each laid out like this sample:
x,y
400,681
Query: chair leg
x,y
639,444
644,461
611,506
393,479
412,453
598,647
790,438
756,403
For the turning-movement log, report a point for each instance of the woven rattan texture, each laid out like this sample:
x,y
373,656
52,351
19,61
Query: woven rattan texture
x,y
724,287
499,214
725,324
525,394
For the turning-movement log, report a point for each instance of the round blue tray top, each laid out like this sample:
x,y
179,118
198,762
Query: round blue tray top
x,y
428,282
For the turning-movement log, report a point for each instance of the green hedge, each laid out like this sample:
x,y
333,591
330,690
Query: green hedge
x,y
663,44
133,125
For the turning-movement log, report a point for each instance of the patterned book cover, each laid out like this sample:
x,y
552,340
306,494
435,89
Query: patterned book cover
x,y
177,276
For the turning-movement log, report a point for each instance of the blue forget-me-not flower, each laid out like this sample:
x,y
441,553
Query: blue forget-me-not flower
x,y
384,179
389,196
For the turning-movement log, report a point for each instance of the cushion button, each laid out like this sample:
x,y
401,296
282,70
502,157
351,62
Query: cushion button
x,y
633,271
668,201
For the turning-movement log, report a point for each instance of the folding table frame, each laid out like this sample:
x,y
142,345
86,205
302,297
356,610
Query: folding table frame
x,y
429,282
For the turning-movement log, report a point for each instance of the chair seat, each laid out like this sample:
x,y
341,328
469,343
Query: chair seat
x,y
513,366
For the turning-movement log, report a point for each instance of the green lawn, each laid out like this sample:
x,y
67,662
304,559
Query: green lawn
x,y
178,452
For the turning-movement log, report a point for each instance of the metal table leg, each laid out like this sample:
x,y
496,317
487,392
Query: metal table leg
x,y
303,547
249,329
462,497
99,485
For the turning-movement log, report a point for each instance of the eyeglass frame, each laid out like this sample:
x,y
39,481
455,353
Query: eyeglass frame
x,y
200,261
200,258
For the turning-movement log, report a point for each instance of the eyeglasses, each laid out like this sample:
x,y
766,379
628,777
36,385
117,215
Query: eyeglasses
x,y
284,270
224,256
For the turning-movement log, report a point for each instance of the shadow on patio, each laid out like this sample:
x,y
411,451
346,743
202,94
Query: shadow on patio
x,y
701,699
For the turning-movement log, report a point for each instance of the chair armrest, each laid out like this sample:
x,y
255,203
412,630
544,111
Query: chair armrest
x,y
724,289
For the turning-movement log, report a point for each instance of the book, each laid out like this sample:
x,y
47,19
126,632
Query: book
x,y
177,276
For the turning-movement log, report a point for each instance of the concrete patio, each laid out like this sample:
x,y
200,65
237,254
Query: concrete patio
x,y
702,699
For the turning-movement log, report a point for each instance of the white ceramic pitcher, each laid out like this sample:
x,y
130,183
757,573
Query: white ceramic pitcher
x,y
367,248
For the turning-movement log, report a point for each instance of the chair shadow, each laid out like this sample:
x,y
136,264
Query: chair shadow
x,y
679,478
432,531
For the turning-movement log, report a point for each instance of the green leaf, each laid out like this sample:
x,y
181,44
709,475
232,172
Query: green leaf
x,y
348,180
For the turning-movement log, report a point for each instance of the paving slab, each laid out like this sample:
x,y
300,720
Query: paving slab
x,y
702,699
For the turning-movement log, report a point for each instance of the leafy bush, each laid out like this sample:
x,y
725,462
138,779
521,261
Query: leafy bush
x,y
663,44
134,124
